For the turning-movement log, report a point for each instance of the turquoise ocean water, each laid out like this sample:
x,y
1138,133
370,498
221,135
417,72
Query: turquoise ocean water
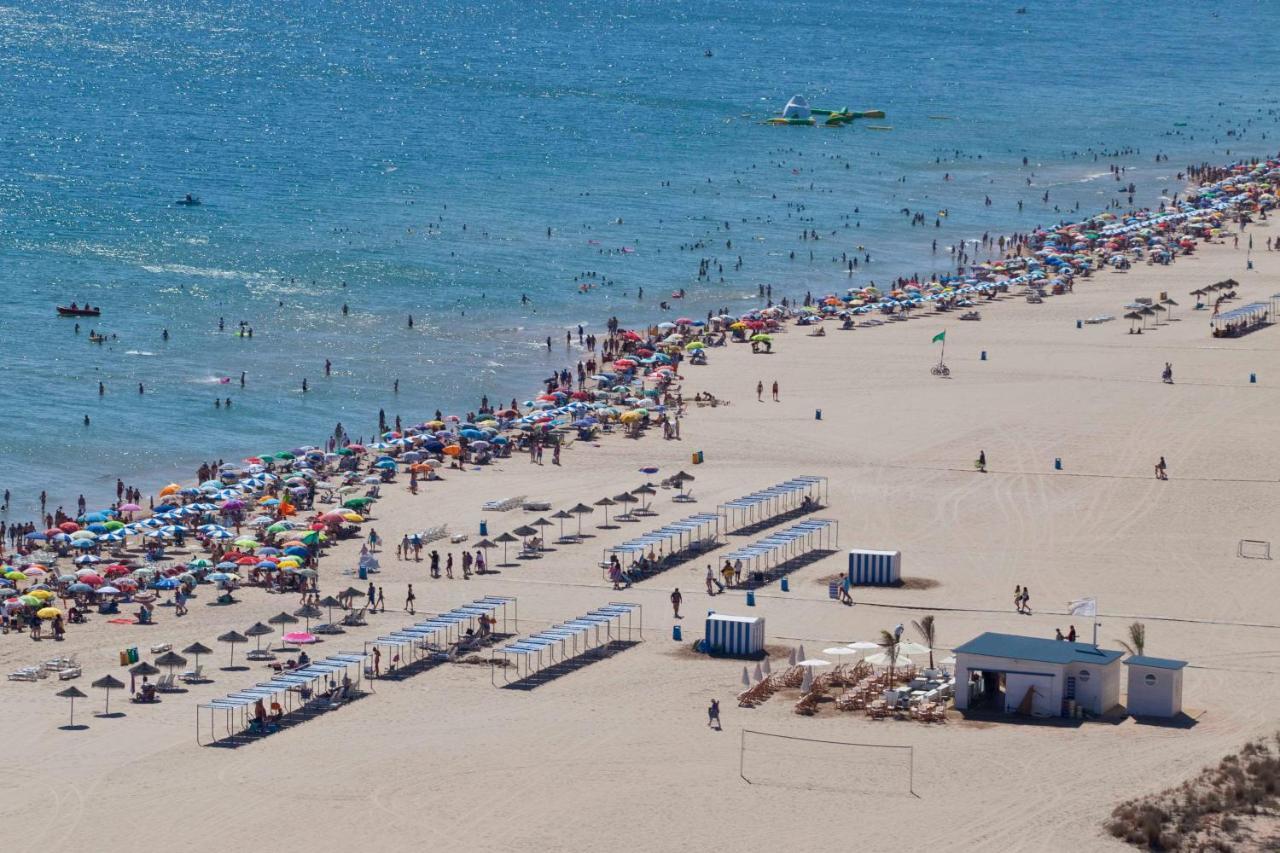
x,y
420,152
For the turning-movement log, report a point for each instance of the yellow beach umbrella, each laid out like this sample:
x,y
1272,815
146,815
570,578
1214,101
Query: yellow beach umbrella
x,y
48,613
42,594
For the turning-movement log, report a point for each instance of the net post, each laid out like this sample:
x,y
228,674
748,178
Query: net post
x,y
742,754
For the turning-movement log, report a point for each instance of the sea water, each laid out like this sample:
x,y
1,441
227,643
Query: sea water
x,y
409,159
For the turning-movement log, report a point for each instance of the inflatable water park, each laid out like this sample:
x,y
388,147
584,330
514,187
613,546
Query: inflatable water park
x,y
798,112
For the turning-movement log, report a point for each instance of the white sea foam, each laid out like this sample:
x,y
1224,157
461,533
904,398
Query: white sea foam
x,y
203,272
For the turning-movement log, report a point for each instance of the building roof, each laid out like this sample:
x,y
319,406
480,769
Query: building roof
x,y
725,617
1038,649
1156,663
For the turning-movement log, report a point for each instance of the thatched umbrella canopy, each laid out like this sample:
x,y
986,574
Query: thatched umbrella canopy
x,y
232,638
506,539
258,631
561,516
197,649
308,613
73,693
330,602
108,683
171,659
606,502
580,510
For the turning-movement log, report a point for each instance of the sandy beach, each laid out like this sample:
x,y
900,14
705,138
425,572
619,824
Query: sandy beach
x,y
618,753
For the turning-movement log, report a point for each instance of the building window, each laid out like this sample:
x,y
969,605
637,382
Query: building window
x,y
1150,679
1084,675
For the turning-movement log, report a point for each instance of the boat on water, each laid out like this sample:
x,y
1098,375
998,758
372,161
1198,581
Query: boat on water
x,y
74,310
189,200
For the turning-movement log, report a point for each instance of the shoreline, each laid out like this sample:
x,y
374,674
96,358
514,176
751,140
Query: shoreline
x,y
1191,173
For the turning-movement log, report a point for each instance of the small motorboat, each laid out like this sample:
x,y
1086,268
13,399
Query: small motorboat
x,y
76,311
189,200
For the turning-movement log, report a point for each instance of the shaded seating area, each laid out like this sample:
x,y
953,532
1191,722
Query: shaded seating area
x,y
757,511
568,646
1242,320
290,698
441,638
785,551
668,546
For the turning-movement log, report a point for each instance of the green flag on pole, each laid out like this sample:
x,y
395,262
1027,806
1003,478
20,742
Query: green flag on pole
x,y
941,336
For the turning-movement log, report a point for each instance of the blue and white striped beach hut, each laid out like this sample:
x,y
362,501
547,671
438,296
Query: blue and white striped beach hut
x,y
874,568
734,636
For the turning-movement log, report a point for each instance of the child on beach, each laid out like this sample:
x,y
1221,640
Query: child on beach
x,y
713,715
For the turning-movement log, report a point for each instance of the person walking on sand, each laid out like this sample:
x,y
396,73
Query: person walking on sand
x,y
846,596
711,577
409,599
676,598
775,392
713,715
981,464
1025,601
1017,598
760,391
373,597
1071,634
1161,473
381,603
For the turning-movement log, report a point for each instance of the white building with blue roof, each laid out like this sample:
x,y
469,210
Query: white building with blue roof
x,y
1007,673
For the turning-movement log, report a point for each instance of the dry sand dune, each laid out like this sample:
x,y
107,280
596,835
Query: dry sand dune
x,y
618,755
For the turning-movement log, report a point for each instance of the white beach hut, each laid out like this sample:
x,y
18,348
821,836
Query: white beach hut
x,y
874,568
1155,686
734,636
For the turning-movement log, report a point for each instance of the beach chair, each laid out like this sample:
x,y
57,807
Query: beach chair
x,y
165,684
26,673
354,618
193,675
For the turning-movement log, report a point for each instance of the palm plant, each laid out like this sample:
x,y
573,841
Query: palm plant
x,y
1137,639
889,642
926,631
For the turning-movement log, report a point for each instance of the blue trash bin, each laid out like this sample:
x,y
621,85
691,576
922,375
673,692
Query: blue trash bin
x,y
484,528
786,587
364,574
675,633
751,598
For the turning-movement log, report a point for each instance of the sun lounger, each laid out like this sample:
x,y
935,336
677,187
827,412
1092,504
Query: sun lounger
x,y
165,684
354,618
27,673
503,505
193,675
